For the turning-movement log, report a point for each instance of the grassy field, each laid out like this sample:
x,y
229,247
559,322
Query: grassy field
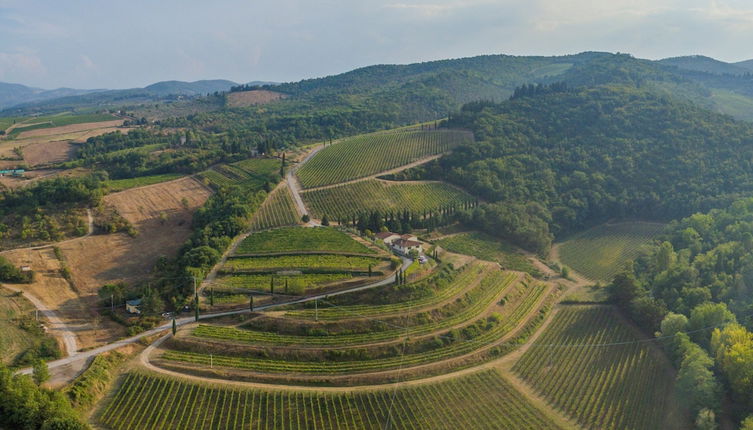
x,y
250,173
483,400
344,201
16,313
124,184
299,262
301,239
277,211
602,251
488,248
618,383
370,154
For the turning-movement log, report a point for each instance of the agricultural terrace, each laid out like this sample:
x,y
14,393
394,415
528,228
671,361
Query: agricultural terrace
x,y
301,239
461,317
250,173
278,210
293,284
482,400
367,155
598,370
345,201
486,247
599,253
302,262
123,184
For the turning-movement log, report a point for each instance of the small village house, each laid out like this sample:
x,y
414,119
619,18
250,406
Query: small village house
x,y
404,246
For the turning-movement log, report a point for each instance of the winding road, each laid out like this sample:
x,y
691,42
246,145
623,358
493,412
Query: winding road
x,y
85,355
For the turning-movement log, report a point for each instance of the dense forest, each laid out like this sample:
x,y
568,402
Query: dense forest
x,y
696,290
562,160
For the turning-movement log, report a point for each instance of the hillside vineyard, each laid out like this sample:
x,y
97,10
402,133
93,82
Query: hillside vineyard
x,y
495,242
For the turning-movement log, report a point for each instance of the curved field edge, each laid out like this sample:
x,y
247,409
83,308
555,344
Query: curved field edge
x,y
594,367
366,155
480,400
600,252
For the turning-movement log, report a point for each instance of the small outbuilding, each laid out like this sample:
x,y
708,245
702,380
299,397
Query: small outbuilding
x,y
387,237
133,306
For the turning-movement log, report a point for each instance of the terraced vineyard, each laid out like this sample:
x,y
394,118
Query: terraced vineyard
x,y
345,201
298,284
599,253
250,173
466,322
618,383
369,154
302,262
300,239
277,211
483,400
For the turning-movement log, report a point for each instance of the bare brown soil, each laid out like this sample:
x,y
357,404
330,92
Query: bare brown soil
x,y
46,153
75,311
101,259
251,98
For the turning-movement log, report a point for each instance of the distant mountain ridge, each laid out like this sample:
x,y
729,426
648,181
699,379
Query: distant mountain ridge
x,y
700,63
12,95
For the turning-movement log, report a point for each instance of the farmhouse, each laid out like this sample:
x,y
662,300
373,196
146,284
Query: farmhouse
x,y
404,246
133,306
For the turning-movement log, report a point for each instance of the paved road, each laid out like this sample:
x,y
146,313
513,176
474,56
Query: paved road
x,y
85,355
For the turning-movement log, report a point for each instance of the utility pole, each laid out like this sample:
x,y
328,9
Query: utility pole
x,y
316,310
112,303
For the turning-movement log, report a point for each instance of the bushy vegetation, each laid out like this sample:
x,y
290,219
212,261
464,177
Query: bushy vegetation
x,y
599,253
88,387
593,368
366,155
483,400
27,406
301,239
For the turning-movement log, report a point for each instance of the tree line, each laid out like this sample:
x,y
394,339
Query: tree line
x,y
695,290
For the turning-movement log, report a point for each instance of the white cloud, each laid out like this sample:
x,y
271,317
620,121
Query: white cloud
x,y
21,63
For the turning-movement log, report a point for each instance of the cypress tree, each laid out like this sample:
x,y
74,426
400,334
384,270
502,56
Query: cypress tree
x,y
175,327
251,305
272,285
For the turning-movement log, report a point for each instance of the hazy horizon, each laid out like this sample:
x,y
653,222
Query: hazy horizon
x,y
51,45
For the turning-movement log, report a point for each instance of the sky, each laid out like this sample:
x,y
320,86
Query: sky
x,y
109,44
